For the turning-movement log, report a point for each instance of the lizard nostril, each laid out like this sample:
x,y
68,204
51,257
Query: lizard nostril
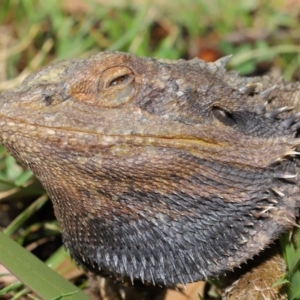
x,y
51,98
48,99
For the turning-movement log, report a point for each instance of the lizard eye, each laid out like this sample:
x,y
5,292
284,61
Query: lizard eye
x,y
116,78
119,80
116,86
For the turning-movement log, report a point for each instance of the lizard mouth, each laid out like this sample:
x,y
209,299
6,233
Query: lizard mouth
x,y
206,144
18,126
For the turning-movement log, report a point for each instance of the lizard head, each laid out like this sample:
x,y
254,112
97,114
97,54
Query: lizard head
x,y
164,171
125,95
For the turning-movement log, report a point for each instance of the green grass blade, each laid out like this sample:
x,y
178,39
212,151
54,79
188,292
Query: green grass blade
x,y
35,274
20,219
9,288
287,251
137,25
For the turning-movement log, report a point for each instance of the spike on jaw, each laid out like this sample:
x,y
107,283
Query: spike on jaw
x,y
295,143
266,93
142,278
131,278
271,200
265,210
163,277
261,109
277,192
296,126
248,89
291,152
285,176
289,121
124,261
152,278
274,113
235,74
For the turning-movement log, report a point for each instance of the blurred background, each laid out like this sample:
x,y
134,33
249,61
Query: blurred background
x,y
263,36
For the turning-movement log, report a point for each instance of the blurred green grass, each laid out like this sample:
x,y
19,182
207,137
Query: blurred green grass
x,y
263,36
37,32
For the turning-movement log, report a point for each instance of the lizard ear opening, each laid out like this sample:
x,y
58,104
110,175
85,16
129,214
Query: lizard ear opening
x,y
116,86
223,116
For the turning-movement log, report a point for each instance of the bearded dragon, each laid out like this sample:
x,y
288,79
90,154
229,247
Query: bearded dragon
x,y
161,171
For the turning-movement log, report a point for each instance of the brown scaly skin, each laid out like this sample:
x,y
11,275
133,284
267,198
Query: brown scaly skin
x,y
163,171
259,278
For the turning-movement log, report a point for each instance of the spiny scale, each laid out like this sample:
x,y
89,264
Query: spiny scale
x,y
287,123
274,113
266,93
221,63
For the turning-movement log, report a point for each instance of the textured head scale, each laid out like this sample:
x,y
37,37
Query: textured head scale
x,y
163,171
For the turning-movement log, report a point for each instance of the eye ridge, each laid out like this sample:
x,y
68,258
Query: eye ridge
x,y
119,80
